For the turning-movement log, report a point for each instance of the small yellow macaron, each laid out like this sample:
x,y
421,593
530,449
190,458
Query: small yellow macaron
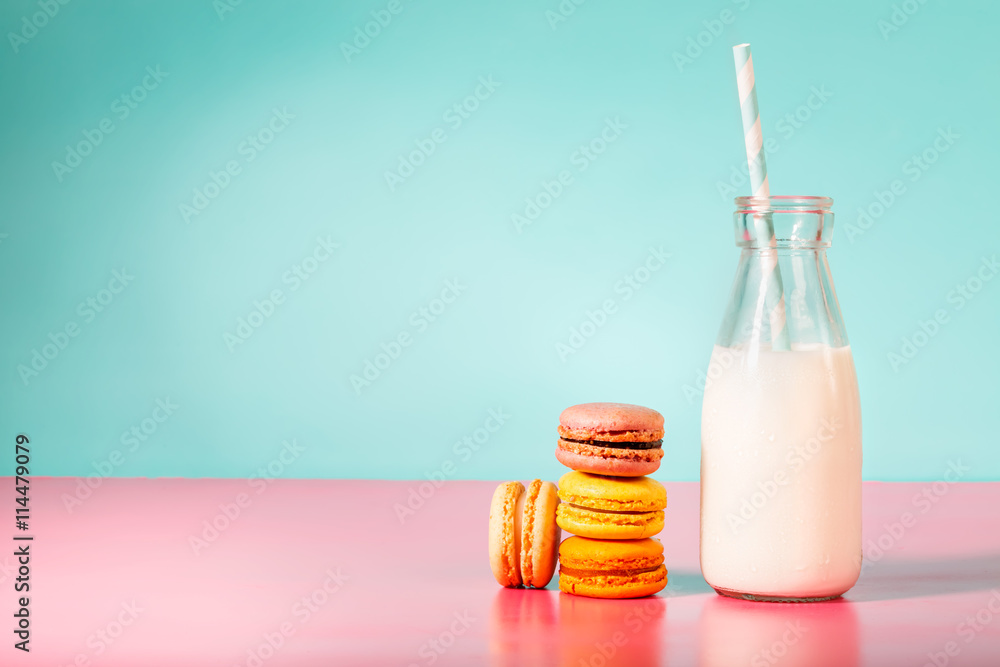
x,y
613,508
611,568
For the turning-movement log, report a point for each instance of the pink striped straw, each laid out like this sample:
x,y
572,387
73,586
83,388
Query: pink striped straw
x,y
772,290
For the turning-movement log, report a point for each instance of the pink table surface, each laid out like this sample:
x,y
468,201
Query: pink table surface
x,y
313,572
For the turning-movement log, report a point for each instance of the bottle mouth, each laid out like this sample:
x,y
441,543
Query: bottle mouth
x,y
792,203
783,221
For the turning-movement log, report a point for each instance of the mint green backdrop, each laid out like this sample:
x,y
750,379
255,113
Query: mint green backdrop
x,y
245,171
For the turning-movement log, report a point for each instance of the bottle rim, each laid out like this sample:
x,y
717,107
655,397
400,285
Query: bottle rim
x,y
789,203
785,222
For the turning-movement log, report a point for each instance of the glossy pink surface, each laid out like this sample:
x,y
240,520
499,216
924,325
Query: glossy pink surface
x,y
329,573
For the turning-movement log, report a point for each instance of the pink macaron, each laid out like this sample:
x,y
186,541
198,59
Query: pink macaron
x,y
614,439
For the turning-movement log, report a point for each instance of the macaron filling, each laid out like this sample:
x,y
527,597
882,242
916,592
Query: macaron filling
x,y
527,527
573,572
603,511
587,434
587,516
634,505
514,555
653,444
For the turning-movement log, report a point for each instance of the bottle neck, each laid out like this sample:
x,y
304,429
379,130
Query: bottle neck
x,y
797,281
783,223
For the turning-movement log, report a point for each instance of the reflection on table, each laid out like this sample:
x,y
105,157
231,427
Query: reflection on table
x,y
547,628
760,634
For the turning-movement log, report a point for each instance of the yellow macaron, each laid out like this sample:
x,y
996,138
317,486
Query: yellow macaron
x,y
611,568
613,508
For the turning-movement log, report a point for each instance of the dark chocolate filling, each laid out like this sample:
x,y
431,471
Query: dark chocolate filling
x,y
655,444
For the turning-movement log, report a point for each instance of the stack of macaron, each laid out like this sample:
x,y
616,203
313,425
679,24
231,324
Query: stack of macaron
x,y
608,503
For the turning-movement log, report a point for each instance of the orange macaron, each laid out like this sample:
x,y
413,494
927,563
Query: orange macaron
x,y
524,537
611,568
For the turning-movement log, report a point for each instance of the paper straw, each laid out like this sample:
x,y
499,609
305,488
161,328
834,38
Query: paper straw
x,y
771,287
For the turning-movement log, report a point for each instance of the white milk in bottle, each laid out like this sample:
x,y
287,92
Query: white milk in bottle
x,y
781,422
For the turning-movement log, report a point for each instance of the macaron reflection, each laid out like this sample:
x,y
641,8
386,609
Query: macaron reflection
x,y
761,634
524,628
595,633
540,627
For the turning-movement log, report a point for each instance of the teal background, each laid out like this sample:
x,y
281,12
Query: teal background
x,y
495,346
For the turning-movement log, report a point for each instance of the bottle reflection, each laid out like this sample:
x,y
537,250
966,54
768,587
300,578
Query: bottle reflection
x,y
595,633
762,634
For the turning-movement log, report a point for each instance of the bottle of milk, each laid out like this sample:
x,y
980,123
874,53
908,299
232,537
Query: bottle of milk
x,y
781,418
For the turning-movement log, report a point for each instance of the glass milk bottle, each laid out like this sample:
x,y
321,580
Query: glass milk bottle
x,y
781,418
